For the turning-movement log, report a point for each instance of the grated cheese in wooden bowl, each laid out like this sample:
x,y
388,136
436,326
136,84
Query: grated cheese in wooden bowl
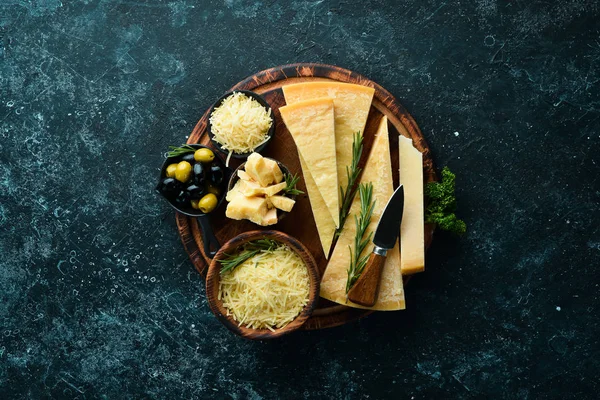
x,y
240,124
268,290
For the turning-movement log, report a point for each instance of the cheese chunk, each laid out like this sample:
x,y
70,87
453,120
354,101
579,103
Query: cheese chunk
x,y
270,218
258,170
351,109
235,191
250,188
251,208
311,124
321,215
412,241
378,171
282,202
244,175
274,189
274,170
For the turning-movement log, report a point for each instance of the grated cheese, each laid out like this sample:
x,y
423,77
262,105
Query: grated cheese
x,y
267,291
240,124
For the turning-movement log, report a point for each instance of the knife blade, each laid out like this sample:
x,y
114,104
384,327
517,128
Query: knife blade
x,y
366,288
388,228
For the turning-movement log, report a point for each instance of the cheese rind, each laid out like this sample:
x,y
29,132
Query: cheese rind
x,y
412,241
311,124
378,171
323,220
351,110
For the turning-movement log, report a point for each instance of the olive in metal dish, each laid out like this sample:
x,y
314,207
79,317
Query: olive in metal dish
x,y
193,180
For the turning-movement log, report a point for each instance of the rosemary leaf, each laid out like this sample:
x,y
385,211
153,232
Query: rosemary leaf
x,y
175,151
249,250
352,172
362,221
291,181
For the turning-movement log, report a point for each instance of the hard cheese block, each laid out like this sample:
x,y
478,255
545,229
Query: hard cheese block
x,y
311,124
352,104
323,219
412,243
378,171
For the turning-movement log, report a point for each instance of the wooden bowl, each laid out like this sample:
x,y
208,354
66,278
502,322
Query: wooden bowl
x,y
284,169
213,277
270,132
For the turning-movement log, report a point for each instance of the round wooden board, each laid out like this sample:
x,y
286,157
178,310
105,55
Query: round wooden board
x,y
300,223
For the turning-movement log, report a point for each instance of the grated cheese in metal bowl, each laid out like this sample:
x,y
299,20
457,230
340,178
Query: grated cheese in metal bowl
x,y
240,124
268,290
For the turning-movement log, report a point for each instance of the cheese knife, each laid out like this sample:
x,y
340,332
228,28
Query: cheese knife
x,y
366,288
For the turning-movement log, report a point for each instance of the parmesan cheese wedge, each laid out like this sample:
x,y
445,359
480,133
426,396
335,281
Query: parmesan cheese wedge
x,y
378,171
351,109
412,255
311,124
321,215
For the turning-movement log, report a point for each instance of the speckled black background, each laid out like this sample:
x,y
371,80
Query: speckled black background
x,y
98,298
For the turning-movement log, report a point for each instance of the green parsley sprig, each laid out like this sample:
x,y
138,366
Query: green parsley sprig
x,y
362,221
442,204
249,250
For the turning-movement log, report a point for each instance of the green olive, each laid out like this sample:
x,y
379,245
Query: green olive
x,y
171,170
183,171
207,203
213,189
204,155
195,204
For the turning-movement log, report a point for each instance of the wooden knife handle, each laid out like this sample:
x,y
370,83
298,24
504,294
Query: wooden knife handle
x,y
366,288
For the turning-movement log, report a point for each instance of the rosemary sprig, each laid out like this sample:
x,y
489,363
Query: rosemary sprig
x,y
249,250
352,173
291,181
175,151
357,263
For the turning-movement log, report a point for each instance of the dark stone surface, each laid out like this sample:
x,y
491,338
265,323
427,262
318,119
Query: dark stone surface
x,y
98,298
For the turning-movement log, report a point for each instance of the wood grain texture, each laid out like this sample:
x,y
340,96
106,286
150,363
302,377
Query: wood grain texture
x,y
366,288
299,223
213,276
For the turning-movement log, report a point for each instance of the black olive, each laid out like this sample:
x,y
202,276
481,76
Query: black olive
x,y
216,175
169,187
182,199
189,157
199,177
195,191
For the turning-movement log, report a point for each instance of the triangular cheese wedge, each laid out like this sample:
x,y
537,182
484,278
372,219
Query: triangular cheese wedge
x,y
323,220
378,171
412,241
352,104
311,124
